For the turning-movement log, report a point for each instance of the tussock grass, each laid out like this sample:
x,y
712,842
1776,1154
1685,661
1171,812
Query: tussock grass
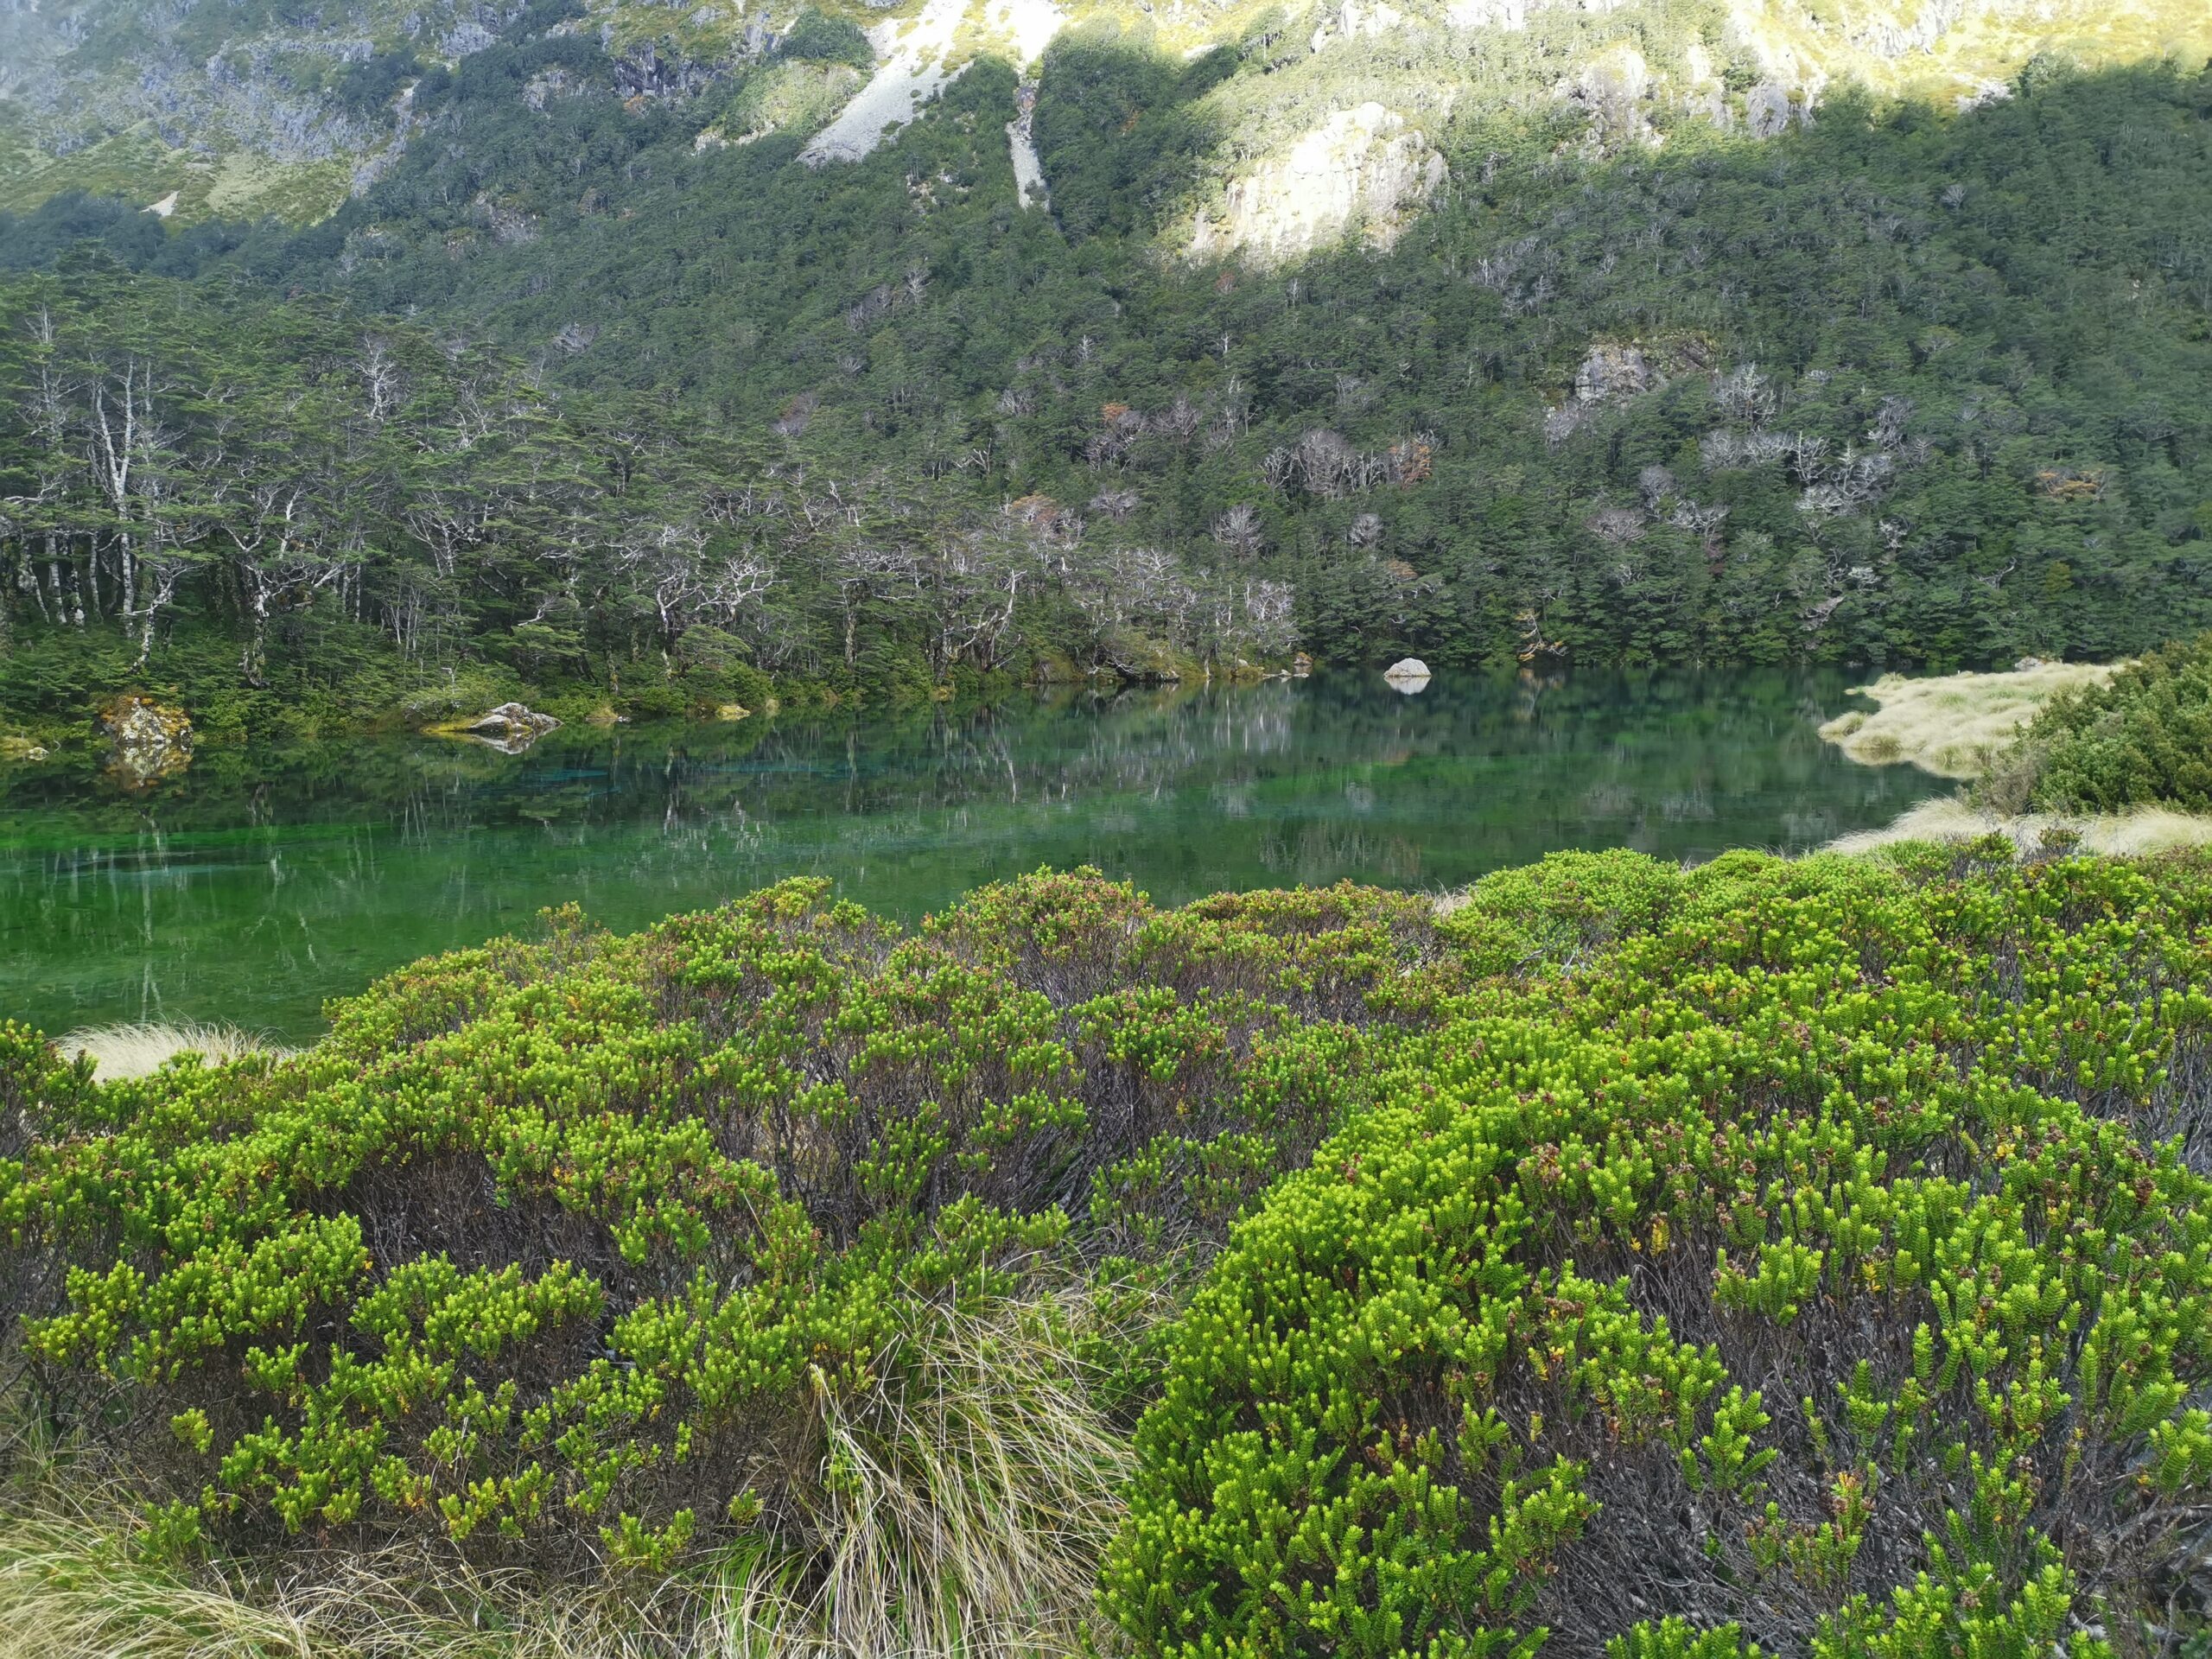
x,y
977,1501
966,1522
1952,724
2134,834
74,1585
138,1049
66,1594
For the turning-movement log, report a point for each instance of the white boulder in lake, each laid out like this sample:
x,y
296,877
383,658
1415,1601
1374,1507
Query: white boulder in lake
x,y
1407,674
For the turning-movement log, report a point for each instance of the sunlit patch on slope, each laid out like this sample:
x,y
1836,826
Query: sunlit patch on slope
x,y
1954,50
1029,167
915,64
1362,169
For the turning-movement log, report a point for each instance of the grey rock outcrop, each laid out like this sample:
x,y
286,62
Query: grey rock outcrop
x,y
511,728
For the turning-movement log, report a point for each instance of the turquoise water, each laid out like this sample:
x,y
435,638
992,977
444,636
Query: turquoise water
x,y
251,888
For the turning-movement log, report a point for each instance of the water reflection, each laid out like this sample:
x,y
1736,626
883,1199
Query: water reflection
x,y
253,885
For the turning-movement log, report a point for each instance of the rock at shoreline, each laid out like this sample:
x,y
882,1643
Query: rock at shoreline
x,y
510,717
152,741
510,729
1300,666
1407,674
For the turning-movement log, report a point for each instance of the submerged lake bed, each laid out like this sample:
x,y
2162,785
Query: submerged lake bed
x,y
251,888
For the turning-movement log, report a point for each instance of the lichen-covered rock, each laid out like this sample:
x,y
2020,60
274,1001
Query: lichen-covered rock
x,y
511,728
1352,20
1769,108
514,716
152,740
1611,373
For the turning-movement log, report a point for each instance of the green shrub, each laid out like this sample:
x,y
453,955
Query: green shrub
x,y
1561,910
2143,738
459,696
1823,1268
605,1246
1769,1257
814,35
714,666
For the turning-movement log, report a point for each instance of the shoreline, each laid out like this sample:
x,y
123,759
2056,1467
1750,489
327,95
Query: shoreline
x,y
1952,725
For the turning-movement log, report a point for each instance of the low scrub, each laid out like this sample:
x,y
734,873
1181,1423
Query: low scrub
x,y
1824,1268
2143,738
770,1236
1784,1257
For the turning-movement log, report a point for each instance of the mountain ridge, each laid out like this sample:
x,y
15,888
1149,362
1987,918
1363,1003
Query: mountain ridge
x,y
258,110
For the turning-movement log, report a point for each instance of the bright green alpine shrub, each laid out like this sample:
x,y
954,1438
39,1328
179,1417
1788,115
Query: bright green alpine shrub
x,y
1824,1268
571,1246
1767,1258
2143,738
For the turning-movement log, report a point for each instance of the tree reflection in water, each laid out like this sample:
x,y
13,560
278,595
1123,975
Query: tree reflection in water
x,y
252,886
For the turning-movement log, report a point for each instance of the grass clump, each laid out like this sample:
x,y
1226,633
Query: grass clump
x,y
1953,725
1823,1268
139,1049
2138,832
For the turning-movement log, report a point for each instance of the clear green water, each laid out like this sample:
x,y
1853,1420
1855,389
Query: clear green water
x,y
251,888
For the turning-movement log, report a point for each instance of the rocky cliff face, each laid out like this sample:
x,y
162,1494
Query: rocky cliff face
x,y
1362,170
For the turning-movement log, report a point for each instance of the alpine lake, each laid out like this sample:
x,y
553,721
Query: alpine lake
x,y
251,888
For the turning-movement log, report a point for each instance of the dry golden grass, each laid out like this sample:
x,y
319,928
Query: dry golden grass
x,y
978,1500
139,1049
2134,834
1952,724
72,1587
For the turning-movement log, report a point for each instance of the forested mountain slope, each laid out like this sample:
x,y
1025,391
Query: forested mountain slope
x,y
1663,332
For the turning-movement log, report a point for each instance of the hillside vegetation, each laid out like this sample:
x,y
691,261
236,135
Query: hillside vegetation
x,y
1655,1261
249,109
609,396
